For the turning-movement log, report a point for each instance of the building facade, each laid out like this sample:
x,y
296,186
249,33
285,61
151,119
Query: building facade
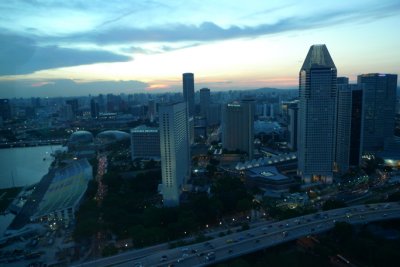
x,y
238,127
188,96
316,121
5,109
293,110
145,143
378,102
188,91
205,98
175,153
343,127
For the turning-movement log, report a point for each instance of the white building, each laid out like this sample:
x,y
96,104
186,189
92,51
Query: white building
x,y
175,153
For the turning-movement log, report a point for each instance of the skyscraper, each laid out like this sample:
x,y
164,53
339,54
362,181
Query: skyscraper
x,y
5,109
316,122
188,92
175,154
94,109
204,101
293,110
355,132
379,100
343,127
188,96
238,126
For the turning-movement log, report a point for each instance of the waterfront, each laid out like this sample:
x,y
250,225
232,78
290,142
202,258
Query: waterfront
x,y
24,166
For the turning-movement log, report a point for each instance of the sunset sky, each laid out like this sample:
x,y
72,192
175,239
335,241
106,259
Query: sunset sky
x,y
65,48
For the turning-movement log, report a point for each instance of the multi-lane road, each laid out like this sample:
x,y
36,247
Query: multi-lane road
x,y
257,238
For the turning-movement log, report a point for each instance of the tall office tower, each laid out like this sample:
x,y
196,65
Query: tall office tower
x,y
292,111
151,111
5,109
188,92
379,98
316,122
175,154
145,142
214,114
205,98
343,127
238,126
348,125
188,96
74,106
94,109
356,119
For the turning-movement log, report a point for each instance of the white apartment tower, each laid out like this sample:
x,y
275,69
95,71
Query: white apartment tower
x,y
175,153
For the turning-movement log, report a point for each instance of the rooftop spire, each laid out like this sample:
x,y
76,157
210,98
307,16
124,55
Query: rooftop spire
x,y
318,57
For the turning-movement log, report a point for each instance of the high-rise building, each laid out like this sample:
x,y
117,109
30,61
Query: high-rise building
x,y
343,127
145,142
175,154
74,106
152,110
94,109
205,98
188,96
188,92
355,132
292,111
316,121
238,126
348,125
214,114
5,109
379,100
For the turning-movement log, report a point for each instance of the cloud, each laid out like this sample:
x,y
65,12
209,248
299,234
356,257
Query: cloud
x,y
66,87
22,55
209,31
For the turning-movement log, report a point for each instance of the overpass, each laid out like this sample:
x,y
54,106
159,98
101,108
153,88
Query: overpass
x,y
257,238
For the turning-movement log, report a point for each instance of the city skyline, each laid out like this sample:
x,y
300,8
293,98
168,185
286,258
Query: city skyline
x,y
129,46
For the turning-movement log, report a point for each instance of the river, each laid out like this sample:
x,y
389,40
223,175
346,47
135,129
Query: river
x,y
23,166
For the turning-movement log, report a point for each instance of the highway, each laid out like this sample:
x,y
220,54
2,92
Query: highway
x,y
257,238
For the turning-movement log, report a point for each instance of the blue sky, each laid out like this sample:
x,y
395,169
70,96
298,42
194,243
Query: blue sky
x,y
136,46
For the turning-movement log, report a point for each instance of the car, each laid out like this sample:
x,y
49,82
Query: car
x,y
210,256
194,251
180,259
185,255
164,258
228,241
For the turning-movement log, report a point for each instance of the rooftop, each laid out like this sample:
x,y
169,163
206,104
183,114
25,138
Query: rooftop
x,y
318,57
